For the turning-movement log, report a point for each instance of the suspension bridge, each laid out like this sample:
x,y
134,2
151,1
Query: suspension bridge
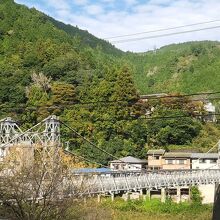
x,y
47,133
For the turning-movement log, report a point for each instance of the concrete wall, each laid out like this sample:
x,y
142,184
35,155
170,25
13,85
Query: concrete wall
x,y
208,193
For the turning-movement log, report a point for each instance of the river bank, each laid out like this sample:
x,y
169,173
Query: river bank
x,y
141,210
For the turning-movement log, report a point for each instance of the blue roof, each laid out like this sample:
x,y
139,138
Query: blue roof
x,y
92,170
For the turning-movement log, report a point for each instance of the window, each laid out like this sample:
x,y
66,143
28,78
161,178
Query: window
x,y
213,160
143,166
156,157
116,166
122,166
169,161
202,161
155,168
181,162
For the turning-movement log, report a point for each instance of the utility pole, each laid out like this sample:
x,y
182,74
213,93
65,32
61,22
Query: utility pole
x,y
219,154
155,49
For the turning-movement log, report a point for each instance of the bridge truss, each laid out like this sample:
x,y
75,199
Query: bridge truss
x,y
47,134
117,182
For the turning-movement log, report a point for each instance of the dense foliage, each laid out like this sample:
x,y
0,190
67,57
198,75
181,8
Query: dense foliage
x,y
188,68
45,70
47,67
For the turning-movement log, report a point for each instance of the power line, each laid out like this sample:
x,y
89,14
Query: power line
x,y
104,151
154,118
85,139
85,159
159,30
63,107
105,102
97,147
164,35
205,153
150,96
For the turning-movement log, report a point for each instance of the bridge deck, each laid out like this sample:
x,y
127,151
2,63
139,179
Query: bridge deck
x,y
115,182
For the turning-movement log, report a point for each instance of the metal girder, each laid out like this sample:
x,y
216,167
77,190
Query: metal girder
x,y
45,133
8,130
111,183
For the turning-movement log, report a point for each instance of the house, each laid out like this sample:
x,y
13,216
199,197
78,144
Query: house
x,y
154,158
210,112
204,161
128,164
176,161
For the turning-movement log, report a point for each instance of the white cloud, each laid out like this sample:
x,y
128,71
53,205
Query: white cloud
x,y
108,1
94,9
59,4
139,17
130,2
80,2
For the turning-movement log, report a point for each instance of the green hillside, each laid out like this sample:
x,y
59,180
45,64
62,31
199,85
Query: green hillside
x,y
187,68
47,67
45,70
86,38
30,42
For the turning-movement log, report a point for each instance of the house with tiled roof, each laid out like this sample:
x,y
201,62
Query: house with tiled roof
x,y
176,161
128,163
154,158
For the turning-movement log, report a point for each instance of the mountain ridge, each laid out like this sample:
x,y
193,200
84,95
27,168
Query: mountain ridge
x,y
45,70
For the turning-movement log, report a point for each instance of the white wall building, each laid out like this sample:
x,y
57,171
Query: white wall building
x,y
210,109
128,164
204,161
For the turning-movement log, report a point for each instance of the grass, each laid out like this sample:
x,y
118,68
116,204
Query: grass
x,y
141,210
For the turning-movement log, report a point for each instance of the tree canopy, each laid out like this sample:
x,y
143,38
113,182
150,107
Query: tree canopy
x,y
47,67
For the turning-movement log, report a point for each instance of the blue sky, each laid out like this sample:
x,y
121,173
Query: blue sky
x,y
107,18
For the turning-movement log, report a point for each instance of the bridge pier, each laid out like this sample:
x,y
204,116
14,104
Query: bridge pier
x,y
112,197
163,195
126,196
99,198
141,193
148,195
178,194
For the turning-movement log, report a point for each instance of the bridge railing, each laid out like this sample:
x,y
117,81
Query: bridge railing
x,y
115,182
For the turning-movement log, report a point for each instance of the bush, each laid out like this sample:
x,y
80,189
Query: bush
x,y
196,197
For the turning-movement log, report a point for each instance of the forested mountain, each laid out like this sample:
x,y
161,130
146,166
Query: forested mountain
x,y
186,68
29,42
47,67
44,70
86,38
